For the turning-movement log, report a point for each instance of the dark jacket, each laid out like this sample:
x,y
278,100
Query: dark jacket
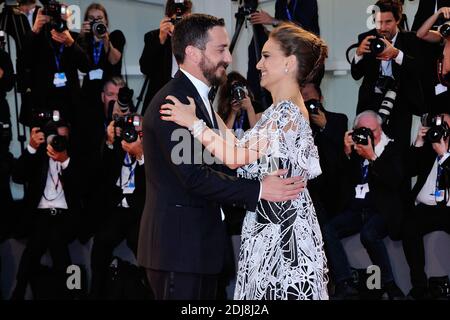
x,y
156,64
409,99
181,227
386,175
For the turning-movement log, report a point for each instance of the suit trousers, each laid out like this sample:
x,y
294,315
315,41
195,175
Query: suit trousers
x,y
424,219
169,285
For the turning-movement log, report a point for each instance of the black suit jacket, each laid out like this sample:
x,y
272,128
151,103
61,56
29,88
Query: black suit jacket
x,y
421,161
386,176
409,98
32,169
156,64
181,228
330,144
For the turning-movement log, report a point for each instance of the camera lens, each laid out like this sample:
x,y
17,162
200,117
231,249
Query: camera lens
x,y
238,91
98,28
377,46
445,30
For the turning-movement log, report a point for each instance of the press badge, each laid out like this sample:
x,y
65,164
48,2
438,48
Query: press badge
x,y
440,89
439,195
96,74
361,190
60,79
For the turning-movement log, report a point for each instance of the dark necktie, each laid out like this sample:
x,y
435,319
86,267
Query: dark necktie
x,y
211,95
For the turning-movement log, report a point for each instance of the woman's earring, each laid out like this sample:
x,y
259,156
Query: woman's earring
x,y
286,70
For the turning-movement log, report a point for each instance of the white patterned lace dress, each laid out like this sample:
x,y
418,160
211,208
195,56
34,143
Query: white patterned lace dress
x,y
281,255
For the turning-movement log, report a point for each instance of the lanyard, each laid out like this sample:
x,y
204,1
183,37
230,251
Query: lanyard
x,y
129,164
288,12
239,123
438,175
364,171
97,51
58,56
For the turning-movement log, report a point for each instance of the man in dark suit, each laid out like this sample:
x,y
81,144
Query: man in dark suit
x,y
328,129
124,195
430,201
182,236
51,176
396,67
157,61
371,203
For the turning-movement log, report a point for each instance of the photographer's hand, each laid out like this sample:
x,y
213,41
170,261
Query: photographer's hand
x,y
134,149
165,29
364,46
40,21
110,133
441,147
420,137
57,156
63,37
261,17
85,28
348,142
390,53
366,151
319,119
36,138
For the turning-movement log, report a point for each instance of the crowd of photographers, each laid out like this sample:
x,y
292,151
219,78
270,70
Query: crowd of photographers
x,y
83,172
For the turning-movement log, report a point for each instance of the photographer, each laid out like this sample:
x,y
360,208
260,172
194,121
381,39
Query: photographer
x,y
157,61
52,200
304,13
436,84
105,50
124,186
328,129
236,105
53,58
371,203
430,198
391,82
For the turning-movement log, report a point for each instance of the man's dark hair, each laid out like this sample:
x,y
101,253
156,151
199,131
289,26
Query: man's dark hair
x,y
171,8
394,6
193,31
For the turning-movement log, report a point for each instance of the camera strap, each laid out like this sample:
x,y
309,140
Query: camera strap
x,y
97,51
289,15
239,123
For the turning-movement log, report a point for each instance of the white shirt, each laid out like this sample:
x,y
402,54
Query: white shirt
x,y
386,66
426,194
30,17
126,181
53,196
203,91
174,66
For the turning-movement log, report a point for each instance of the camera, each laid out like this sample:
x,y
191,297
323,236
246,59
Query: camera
x,y
438,128
125,99
98,28
444,30
180,10
54,10
362,135
248,7
129,125
377,46
386,86
313,106
49,122
238,91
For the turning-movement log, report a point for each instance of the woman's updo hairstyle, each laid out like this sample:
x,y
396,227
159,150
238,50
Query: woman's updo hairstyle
x,y
309,49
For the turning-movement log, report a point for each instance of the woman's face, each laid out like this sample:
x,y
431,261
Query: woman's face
x,y
272,64
95,14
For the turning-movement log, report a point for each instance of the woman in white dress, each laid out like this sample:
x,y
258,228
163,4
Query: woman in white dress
x,y
281,255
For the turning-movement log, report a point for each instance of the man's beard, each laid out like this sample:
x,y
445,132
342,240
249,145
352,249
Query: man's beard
x,y
209,71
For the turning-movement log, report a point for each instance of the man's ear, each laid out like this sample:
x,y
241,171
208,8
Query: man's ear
x,y
193,54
